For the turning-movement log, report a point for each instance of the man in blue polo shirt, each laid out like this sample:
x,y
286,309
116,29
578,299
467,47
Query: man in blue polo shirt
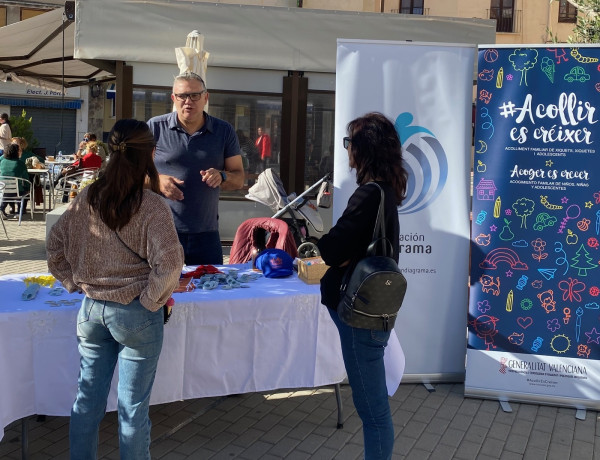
x,y
196,156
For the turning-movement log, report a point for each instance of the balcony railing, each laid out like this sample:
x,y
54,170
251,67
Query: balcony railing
x,y
507,19
419,11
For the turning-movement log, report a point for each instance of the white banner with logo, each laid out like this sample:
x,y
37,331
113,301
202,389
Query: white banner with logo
x,y
426,89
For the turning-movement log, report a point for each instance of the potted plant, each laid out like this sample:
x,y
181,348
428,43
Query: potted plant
x,y
22,127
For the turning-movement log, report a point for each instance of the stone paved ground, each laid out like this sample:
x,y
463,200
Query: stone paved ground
x,y
301,424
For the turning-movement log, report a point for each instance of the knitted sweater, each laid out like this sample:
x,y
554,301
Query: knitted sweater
x,y
83,253
15,168
89,160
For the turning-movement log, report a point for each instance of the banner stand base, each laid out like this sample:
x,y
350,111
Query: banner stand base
x,y
505,406
580,414
429,387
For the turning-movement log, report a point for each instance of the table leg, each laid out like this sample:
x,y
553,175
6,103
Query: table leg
x,y
51,203
24,438
48,182
338,398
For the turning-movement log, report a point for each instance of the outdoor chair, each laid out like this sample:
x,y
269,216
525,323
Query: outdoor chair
x,y
11,193
72,182
2,185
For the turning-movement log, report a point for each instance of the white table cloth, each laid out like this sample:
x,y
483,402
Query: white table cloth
x,y
275,334
272,335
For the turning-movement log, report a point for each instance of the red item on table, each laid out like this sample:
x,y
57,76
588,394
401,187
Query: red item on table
x,y
201,270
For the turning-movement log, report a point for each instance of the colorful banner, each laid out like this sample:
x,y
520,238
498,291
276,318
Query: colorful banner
x,y
534,310
426,89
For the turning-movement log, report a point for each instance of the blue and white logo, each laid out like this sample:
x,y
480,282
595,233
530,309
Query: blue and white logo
x,y
425,161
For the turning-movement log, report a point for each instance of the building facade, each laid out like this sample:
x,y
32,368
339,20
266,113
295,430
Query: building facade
x,y
93,108
58,122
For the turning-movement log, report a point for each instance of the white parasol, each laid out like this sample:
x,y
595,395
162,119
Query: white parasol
x,y
191,57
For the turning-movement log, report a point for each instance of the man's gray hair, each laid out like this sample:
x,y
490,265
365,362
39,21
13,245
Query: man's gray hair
x,y
187,76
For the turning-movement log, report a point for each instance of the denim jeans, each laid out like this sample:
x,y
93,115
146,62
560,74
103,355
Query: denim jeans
x,y
201,248
363,350
107,332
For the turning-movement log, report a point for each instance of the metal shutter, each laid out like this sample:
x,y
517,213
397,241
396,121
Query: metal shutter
x,y
46,127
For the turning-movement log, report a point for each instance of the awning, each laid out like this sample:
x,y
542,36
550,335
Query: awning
x,y
41,103
32,53
249,36
238,36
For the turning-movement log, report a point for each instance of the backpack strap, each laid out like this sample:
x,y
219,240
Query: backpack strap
x,y
379,228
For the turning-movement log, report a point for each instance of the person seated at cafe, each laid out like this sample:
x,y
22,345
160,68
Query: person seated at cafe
x,y
31,160
12,166
86,158
89,158
101,151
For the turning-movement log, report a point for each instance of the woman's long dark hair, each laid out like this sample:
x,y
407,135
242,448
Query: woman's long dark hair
x,y
11,152
6,119
376,152
117,194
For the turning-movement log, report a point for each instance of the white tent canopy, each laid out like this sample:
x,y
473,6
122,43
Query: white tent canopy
x,y
32,52
238,36
251,37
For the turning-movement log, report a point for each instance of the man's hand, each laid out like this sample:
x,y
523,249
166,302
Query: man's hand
x,y
169,187
212,177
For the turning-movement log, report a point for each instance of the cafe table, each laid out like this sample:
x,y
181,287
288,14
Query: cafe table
x,y
45,179
57,163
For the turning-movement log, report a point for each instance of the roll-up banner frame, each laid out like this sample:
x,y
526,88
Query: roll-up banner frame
x,y
427,90
534,309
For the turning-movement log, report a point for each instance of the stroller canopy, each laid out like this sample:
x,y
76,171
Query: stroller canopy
x,y
269,190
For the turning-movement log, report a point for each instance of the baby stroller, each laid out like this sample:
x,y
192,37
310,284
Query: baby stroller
x,y
297,211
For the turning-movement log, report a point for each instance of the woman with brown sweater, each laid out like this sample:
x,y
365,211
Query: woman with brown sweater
x,y
117,243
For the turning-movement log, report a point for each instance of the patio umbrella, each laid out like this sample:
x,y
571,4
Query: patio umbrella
x,y
191,57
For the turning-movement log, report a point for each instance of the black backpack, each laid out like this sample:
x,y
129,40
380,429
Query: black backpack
x,y
373,289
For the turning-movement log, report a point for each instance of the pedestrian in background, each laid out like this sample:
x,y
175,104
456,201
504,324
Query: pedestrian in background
x,y
5,133
263,144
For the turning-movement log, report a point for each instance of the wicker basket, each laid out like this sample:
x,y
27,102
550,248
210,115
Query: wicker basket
x,y
311,269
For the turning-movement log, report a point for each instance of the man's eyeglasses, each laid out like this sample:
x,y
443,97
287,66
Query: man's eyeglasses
x,y
193,96
86,139
347,141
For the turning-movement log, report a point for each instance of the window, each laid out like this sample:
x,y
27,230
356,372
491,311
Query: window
x,y
566,12
503,12
320,125
148,102
247,113
411,6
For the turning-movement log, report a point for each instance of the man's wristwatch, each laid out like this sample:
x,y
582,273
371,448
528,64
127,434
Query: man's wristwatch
x,y
223,176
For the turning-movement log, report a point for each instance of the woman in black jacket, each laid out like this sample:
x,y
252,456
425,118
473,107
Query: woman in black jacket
x,y
375,153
